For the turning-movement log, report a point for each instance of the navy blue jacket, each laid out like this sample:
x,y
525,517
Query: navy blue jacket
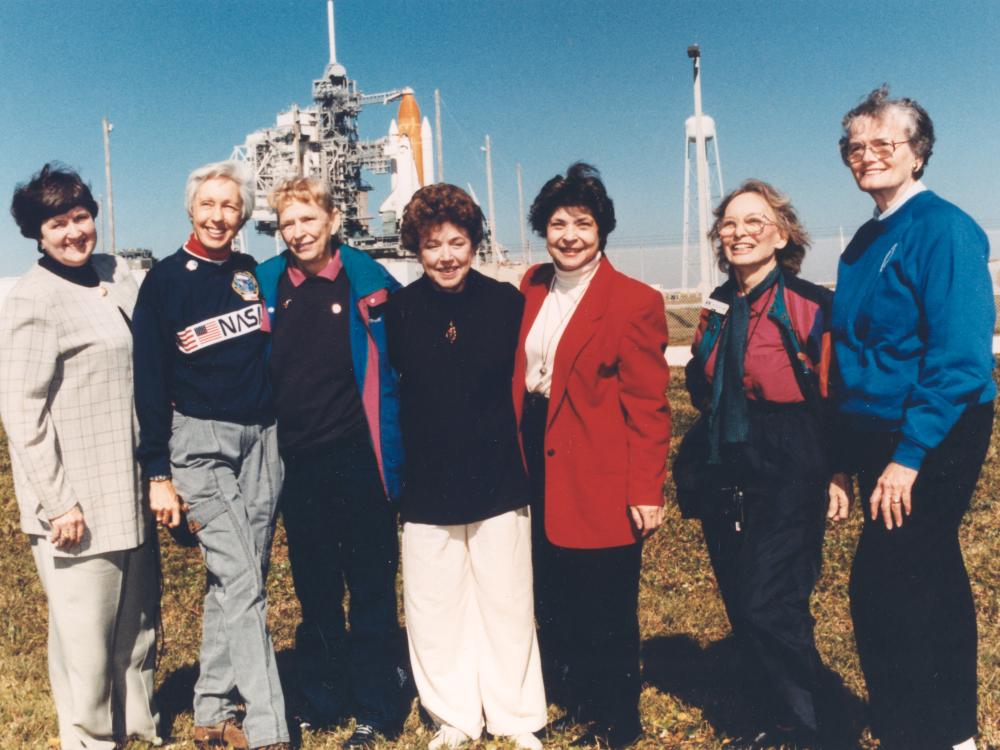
x,y
198,348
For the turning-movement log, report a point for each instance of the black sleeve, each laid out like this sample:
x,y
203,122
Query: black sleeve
x,y
152,355
512,331
698,387
393,316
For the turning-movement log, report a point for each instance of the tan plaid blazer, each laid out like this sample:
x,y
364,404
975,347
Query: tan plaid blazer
x,y
66,404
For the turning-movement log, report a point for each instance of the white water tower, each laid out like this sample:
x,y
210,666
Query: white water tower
x,y
699,132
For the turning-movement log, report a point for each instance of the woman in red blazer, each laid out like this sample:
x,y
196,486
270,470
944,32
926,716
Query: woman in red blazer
x,y
589,389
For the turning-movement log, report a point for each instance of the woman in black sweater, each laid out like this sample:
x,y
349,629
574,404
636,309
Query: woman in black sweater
x,y
467,535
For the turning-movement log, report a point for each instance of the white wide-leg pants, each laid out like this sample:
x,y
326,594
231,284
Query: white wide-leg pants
x,y
102,643
470,624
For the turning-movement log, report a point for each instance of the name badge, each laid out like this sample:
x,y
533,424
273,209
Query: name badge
x,y
716,306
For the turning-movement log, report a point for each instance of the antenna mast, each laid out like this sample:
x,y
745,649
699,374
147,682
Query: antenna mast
x,y
329,31
437,133
699,129
106,127
489,201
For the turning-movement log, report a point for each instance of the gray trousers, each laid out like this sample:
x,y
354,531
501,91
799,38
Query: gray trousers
x,y
102,643
230,475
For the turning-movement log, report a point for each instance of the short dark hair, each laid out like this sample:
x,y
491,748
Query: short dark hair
x,y
434,205
919,127
52,191
790,256
582,186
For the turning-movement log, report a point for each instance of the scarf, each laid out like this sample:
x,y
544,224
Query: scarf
x,y
729,420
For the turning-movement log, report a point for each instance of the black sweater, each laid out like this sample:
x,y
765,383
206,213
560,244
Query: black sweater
x,y
220,374
455,356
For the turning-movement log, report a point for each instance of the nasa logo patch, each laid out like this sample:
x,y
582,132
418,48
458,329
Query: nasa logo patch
x,y
245,285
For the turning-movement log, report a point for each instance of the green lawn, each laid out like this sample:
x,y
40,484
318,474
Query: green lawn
x,y
687,701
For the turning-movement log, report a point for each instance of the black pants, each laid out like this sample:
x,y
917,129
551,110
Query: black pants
x,y
341,528
914,617
586,604
766,571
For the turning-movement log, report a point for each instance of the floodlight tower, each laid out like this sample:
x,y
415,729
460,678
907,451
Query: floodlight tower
x,y
699,130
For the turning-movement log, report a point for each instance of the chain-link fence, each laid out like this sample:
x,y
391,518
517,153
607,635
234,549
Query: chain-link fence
x,y
682,319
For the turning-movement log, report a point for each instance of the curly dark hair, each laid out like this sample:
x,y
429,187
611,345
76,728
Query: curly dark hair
x,y
919,127
790,256
52,191
582,186
434,205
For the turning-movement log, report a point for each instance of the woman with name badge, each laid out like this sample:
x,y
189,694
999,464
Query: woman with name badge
x,y
755,467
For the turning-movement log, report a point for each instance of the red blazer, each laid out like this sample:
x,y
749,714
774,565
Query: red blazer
x,y
608,430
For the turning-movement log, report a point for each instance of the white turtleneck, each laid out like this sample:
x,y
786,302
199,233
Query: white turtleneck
x,y
565,292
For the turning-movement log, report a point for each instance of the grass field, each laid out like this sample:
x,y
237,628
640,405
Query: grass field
x,y
687,701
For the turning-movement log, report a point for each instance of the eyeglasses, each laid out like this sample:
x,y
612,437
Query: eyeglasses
x,y
881,149
753,225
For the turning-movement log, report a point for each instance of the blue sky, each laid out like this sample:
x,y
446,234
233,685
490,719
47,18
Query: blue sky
x,y
551,82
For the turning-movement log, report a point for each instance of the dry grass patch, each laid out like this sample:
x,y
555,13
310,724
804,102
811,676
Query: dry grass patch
x,y
687,701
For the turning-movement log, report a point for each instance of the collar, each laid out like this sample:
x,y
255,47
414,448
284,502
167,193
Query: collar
x,y
330,271
567,280
85,275
914,189
195,248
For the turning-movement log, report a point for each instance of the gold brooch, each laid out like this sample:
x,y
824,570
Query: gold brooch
x,y
451,333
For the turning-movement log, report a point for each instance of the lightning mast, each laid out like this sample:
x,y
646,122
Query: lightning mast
x,y
699,130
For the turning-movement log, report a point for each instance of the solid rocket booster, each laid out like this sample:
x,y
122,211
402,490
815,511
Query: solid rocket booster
x,y
410,126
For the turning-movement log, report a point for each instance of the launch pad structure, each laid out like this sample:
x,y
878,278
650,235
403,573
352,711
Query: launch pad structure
x,y
322,140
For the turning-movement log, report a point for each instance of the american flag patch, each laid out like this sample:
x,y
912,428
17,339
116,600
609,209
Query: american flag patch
x,y
219,328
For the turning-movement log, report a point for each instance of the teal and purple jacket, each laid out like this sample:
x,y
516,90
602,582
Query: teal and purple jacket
x,y
378,383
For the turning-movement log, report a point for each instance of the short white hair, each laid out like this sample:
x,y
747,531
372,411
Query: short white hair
x,y
230,169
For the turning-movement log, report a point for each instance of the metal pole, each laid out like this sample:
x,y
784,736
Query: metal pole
x,y
525,247
297,140
489,202
437,133
685,259
329,31
100,209
107,126
706,280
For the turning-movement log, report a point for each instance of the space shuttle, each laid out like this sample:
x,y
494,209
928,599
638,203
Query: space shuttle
x,y
410,148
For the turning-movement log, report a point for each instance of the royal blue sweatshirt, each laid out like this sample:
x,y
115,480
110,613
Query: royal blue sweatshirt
x,y
198,349
913,324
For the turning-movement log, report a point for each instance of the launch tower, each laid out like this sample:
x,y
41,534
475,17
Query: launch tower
x,y
322,140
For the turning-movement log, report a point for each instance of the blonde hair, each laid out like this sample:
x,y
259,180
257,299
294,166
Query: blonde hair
x,y
302,190
790,256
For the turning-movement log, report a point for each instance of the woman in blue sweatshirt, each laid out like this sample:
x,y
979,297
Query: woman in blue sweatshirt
x,y
913,323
